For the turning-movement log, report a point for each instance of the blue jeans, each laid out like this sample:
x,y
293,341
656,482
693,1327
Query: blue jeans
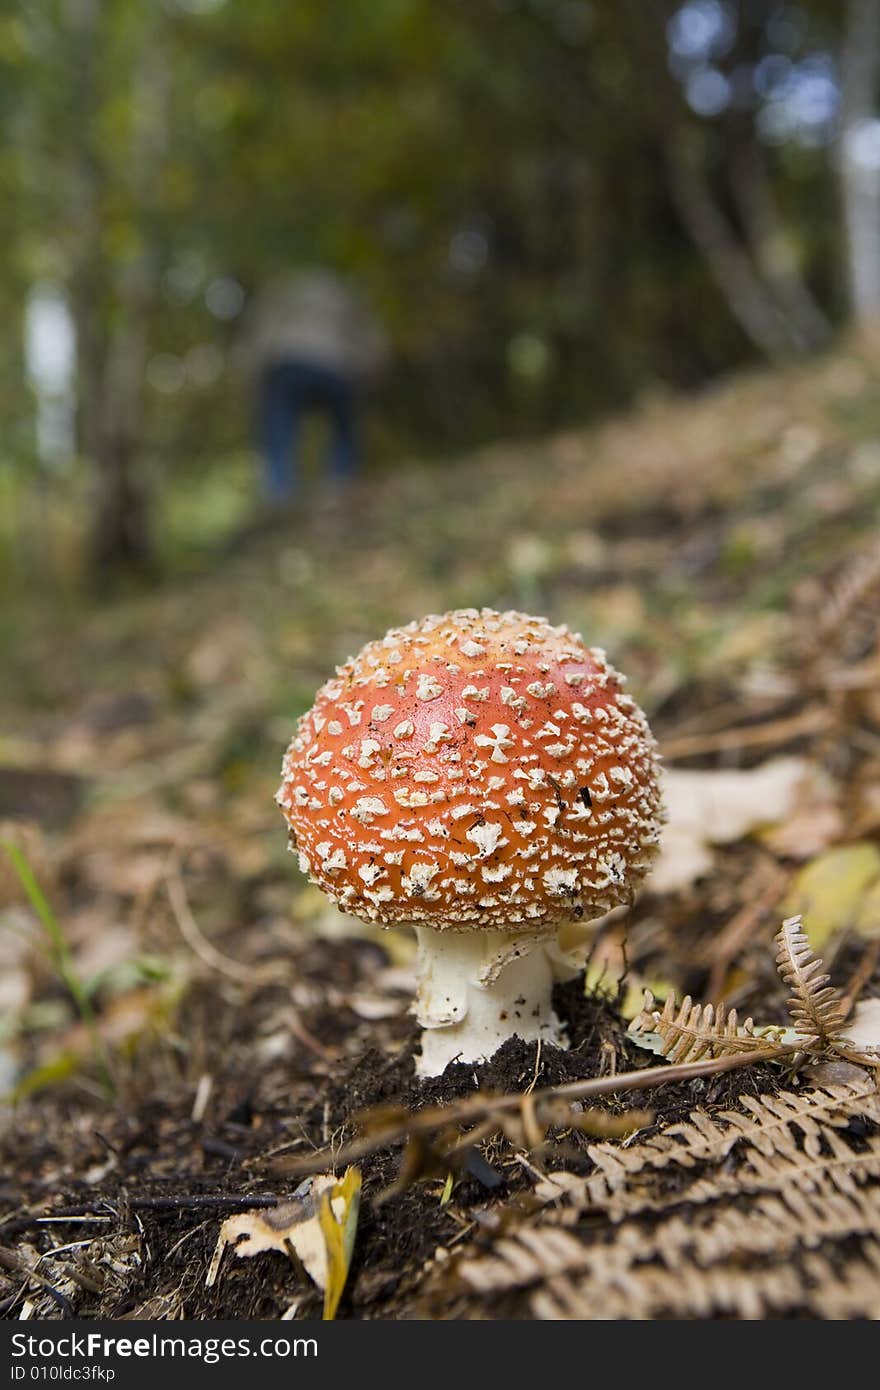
x,y
288,390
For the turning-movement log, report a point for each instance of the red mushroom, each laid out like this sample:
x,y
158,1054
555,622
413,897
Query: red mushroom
x,y
483,777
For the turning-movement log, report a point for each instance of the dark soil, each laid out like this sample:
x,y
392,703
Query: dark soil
x,y
163,1182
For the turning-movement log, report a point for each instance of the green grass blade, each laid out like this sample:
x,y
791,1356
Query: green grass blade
x,y
59,953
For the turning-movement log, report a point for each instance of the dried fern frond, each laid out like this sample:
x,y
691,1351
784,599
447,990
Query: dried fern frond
x,y
690,1262
530,1256
853,588
852,1291
779,1215
816,1008
689,1031
648,1292
778,1138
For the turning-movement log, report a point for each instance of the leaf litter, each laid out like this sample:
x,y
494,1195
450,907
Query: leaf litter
x,y
735,577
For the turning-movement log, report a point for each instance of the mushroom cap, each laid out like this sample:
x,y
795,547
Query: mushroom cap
x,y
477,769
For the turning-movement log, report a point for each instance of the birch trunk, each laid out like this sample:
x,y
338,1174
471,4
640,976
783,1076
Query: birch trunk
x,y
858,159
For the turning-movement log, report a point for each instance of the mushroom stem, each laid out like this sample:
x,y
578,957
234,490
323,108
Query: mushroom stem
x,y
476,989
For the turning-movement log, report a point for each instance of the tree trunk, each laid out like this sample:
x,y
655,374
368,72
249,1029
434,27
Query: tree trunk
x,y
121,539
858,158
806,326
112,301
728,261
121,535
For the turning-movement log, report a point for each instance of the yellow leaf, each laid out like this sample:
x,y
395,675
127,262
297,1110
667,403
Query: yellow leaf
x,y
835,891
867,923
338,1215
316,1227
290,1226
634,994
598,981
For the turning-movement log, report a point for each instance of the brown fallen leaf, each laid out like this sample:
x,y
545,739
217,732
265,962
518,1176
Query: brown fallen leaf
x,y
718,807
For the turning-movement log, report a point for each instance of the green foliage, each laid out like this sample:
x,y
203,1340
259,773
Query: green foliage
x,y
495,175
59,954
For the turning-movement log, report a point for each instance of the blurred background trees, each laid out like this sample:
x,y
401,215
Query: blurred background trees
x,y
553,204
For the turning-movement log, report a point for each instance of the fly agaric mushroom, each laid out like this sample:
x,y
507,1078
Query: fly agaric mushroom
x,y
484,778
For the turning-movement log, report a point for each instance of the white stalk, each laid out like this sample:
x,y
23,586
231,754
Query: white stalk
x,y
478,988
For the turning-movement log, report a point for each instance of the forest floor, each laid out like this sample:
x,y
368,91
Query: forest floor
x,y
196,1026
